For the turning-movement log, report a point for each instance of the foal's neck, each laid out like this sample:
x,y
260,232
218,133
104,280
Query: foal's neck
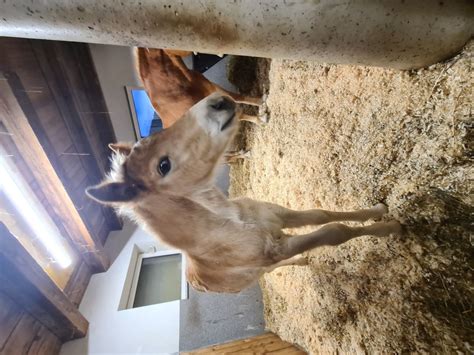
x,y
210,195
215,201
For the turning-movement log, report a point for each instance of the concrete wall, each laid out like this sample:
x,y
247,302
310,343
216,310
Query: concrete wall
x,y
392,33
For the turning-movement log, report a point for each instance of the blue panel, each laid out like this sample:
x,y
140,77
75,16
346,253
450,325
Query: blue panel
x,y
148,121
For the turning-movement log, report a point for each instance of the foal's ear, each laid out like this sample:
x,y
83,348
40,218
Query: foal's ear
x,y
113,192
121,147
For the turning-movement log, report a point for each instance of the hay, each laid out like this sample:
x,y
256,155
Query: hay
x,y
346,137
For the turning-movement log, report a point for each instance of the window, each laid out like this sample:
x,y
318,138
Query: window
x,y
144,118
156,277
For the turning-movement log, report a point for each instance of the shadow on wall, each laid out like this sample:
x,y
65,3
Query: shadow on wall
x,y
115,245
212,318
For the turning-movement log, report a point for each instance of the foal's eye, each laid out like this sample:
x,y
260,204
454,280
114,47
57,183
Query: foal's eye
x,y
164,166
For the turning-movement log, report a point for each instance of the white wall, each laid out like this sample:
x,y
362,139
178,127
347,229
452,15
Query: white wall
x,y
151,329
115,68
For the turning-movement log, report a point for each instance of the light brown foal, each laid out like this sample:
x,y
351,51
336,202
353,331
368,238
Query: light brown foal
x,y
164,182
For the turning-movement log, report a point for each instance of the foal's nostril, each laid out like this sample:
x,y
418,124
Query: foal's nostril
x,y
223,103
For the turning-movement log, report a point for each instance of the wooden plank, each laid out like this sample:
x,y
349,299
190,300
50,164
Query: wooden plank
x,y
22,336
41,113
288,351
236,344
276,345
245,344
32,152
96,120
268,343
10,315
82,107
76,287
56,70
24,281
45,343
260,347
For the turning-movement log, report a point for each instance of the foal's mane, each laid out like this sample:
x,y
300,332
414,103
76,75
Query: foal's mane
x,y
117,170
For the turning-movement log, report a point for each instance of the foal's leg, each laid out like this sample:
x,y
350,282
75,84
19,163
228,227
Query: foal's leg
x,y
292,219
234,156
295,260
242,99
335,234
250,118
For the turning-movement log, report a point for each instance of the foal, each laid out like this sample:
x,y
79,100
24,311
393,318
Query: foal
x,y
164,182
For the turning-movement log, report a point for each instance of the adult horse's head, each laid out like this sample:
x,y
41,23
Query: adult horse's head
x,y
178,160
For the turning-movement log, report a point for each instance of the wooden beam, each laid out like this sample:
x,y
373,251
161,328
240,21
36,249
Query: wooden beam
x,y
10,315
32,152
77,284
24,281
45,343
267,343
90,131
22,336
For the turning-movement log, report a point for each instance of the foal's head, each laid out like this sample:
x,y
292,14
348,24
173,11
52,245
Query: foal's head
x,y
177,160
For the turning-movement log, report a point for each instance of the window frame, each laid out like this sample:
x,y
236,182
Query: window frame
x,y
139,256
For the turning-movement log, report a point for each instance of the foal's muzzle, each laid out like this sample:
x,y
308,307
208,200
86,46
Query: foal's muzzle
x,y
225,109
223,103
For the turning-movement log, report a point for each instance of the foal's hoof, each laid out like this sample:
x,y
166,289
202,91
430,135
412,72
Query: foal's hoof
x,y
262,110
263,100
379,211
245,154
263,117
